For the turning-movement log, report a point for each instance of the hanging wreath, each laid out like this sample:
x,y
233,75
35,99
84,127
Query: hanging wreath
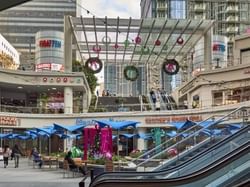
x,y
94,64
106,40
131,73
180,40
171,67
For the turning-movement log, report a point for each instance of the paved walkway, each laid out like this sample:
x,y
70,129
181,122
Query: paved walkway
x,y
27,176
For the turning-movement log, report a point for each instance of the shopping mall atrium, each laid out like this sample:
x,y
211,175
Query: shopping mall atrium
x,y
160,100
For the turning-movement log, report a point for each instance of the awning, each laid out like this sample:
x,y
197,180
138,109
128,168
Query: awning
x,y
126,135
69,128
183,124
117,125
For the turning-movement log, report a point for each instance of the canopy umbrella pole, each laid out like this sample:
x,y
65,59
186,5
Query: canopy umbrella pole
x,y
49,145
1,141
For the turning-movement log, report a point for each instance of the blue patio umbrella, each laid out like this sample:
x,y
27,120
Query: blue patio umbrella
x,y
70,128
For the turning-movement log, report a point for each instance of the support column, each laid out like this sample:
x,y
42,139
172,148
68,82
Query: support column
x,y
141,142
208,49
67,45
85,102
68,100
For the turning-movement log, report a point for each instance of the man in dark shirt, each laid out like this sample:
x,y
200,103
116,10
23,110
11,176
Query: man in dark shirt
x,y
72,164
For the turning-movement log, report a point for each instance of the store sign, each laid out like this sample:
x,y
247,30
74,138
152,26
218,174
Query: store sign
x,y
50,44
165,120
8,121
50,67
219,48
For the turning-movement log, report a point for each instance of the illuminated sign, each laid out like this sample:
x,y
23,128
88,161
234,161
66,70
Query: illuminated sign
x,y
50,44
219,47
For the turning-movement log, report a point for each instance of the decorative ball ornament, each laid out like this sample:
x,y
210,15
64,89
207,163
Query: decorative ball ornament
x,y
138,40
126,43
171,67
157,42
106,40
94,64
131,73
97,48
65,79
116,46
180,40
145,50
45,79
58,79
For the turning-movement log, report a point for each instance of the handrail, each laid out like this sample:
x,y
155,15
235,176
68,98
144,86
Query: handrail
x,y
195,133
197,175
167,171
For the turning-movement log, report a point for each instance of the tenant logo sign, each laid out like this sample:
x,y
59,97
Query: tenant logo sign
x,y
50,44
8,121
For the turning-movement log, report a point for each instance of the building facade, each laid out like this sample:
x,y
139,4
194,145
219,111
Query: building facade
x,y
20,24
221,86
9,57
232,18
49,55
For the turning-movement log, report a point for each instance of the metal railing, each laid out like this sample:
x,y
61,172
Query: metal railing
x,y
176,142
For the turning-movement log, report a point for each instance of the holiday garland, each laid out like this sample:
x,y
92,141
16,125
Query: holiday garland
x,y
170,66
131,73
94,64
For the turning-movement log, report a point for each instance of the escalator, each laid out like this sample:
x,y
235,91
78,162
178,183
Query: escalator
x,y
193,137
203,159
230,167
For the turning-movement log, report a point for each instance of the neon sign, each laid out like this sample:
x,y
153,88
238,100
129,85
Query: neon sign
x,y
50,43
219,47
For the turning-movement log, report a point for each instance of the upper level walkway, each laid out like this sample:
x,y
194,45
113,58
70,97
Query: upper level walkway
x,y
27,176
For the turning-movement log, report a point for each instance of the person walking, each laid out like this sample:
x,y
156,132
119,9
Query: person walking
x,y
6,154
17,153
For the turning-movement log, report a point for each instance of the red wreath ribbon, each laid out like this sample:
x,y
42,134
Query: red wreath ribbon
x,y
97,48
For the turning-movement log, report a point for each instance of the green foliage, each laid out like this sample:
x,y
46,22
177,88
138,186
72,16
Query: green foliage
x,y
91,78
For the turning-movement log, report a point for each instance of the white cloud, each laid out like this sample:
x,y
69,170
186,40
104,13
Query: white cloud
x,y
112,8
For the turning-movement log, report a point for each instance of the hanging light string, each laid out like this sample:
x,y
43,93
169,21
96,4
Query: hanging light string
x,y
117,30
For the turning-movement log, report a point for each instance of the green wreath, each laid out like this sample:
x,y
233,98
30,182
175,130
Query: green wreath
x,y
131,73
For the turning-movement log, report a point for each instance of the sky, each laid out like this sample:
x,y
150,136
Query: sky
x,y
112,8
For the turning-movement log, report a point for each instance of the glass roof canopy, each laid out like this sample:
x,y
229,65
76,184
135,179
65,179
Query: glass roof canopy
x,y
137,41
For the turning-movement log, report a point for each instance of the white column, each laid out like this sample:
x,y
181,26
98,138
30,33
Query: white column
x,y
208,49
141,142
68,100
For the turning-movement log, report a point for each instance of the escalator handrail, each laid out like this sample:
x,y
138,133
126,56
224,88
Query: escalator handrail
x,y
204,172
191,135
167,171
